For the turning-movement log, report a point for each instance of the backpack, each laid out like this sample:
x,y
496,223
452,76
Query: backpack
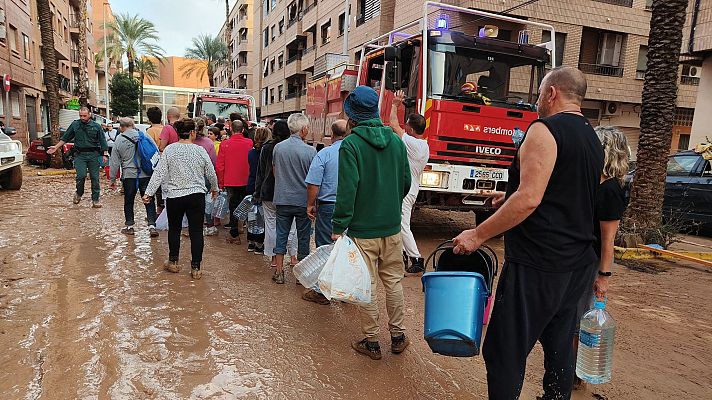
x,y
146,156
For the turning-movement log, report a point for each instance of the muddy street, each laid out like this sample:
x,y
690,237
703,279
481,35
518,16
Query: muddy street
x,y
88,313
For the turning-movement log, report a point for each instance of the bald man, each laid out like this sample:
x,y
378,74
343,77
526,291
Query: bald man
x,y
168,133
547,215
322,181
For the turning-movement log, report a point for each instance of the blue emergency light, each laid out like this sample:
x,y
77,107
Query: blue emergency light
x,y
443,22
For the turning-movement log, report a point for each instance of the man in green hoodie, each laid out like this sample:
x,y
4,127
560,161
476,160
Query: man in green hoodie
x,y
374,177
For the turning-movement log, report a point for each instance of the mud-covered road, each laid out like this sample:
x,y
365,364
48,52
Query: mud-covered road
x,y
88,313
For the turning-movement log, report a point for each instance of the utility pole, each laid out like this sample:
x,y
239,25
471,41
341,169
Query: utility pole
x,y
106,63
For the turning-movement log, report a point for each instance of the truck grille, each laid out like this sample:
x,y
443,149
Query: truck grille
x,y
474,152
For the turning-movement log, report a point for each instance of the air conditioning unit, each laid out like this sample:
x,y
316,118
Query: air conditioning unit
x,y
694,72
611,109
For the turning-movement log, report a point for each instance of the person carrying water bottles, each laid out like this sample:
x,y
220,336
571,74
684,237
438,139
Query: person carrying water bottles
x,y
548,215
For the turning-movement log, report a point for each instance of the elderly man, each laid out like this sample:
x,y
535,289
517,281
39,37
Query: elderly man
x,y
548,218
291,161
322,181
169,134
133,178
373,180
89,142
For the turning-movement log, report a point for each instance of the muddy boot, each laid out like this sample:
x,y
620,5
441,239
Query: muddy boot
x,y
95,204
399,343
195,272
152,231
417,265
171,266
315,297
279,278
128,230
371,349
77,198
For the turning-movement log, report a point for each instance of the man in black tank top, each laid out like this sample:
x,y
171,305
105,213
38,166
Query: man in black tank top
x,y
548,219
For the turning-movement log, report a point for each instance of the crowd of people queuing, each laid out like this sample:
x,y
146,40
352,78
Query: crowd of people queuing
x,y
560,212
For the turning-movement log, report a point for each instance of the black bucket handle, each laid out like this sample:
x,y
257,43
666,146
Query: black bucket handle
x,y
447,245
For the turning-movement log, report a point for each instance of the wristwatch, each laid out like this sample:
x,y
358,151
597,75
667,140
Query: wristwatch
x,y
601,273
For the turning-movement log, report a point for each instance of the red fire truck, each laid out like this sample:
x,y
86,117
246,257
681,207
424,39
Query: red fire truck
x,y
222,102
476,84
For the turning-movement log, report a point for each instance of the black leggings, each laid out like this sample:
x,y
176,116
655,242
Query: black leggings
x,y
193,206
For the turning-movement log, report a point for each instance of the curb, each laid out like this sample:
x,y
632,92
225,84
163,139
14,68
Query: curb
x,y
623,253
56,173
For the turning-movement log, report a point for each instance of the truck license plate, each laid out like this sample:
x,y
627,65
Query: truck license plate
x,y
486,174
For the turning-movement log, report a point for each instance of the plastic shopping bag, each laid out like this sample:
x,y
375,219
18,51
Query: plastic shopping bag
x,y
221,208
345,276
162,221
243,208
307,271
255,221
209,203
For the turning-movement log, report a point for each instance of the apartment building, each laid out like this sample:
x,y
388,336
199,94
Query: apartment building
x,y
697,43
100,15
241,47
171,73
291,35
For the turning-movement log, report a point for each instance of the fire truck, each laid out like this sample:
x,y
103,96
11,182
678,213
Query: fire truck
x,y
222,102
472,74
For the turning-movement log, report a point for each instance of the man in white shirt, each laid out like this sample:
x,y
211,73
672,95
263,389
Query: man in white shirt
x,y
418,154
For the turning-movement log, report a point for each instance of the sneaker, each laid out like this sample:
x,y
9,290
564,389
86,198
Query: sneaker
x,y
371,349
399,343
279,278
417,265
234,240
250,247
196,273
152,231
210,231
315,297
259,249
128,230
95,204
171,266
77,198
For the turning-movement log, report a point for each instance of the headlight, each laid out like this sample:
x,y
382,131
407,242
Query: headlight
x,y
434,179
8,148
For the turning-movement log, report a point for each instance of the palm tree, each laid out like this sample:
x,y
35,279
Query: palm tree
x,y
228,38
82,89
206,55
131,35
146,69
644,216
51,73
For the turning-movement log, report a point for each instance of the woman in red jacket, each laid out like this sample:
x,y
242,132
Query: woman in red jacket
x,y
233,170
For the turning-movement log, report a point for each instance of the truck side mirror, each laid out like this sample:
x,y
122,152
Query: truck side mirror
x,y
393,75
10,131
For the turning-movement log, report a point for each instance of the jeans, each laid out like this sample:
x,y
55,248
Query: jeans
x,y
235,195
130,191
192,206
88,161
322,225
285,216
270,214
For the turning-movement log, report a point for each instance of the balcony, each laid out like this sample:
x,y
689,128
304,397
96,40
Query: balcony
x,y
640,75
690,80
74,24
294,66
244,45
101,97
293,103
308,57
294,28
622,3
598,69
74,57
308,16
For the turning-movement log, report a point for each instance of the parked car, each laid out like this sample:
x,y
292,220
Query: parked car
x,y
688,189
37,152
10,161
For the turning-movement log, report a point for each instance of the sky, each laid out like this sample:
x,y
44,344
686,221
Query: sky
x,y
176,20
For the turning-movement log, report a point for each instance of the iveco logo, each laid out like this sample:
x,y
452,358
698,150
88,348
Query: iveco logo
x,y
488,150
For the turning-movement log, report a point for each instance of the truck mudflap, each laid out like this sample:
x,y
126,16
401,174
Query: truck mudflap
x,y
460,187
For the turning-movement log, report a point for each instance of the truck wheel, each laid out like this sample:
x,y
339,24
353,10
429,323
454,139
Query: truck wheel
x,y
481,216
12,178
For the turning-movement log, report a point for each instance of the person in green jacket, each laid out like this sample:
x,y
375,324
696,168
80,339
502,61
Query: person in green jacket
x,y
89,142
374,177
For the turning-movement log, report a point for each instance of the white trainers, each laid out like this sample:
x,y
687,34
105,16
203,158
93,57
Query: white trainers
x,y
210,231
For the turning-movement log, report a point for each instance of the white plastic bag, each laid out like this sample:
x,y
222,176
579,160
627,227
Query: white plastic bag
x,y
345,276
307,271
221,207
162,221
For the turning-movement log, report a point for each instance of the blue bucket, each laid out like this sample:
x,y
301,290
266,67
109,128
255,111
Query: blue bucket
x,y
454,307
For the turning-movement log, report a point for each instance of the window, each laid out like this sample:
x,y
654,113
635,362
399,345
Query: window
x,y
648,5
264,96
682,165
642,62
15,102
265,7
325,32
280,60
560,45
274,32
271,96
26,50
265,71
274,4
684,142
265,35
271,66
13,38
609,49
3,28
280,90
281,26
342,23
367,10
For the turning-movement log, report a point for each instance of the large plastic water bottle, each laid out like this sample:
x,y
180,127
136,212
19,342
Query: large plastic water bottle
x,y
594,362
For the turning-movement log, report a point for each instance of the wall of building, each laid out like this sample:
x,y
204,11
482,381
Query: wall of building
x,y
171,73
702,122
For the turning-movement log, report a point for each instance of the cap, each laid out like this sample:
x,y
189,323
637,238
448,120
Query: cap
x,y
361,104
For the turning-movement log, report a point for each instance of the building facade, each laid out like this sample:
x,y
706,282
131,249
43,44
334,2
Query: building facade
x,y
697,43
240,47
171,72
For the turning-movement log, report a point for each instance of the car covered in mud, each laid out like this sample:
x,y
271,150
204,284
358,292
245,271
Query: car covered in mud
x,y
10,161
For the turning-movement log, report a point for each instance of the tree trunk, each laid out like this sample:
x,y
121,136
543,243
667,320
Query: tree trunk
x,y
83,54
140,99
130,58
644,213
51,75
211,80
228,38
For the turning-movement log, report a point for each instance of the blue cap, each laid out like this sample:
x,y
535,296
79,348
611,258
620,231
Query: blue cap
x,y
361,104
599,304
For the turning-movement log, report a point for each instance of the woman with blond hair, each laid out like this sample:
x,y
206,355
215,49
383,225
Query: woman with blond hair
x,y
610,205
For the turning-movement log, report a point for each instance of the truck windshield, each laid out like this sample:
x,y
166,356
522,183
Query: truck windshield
x,y
221,109
476,76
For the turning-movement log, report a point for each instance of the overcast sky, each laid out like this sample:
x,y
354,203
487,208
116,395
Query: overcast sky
x,y
177,21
